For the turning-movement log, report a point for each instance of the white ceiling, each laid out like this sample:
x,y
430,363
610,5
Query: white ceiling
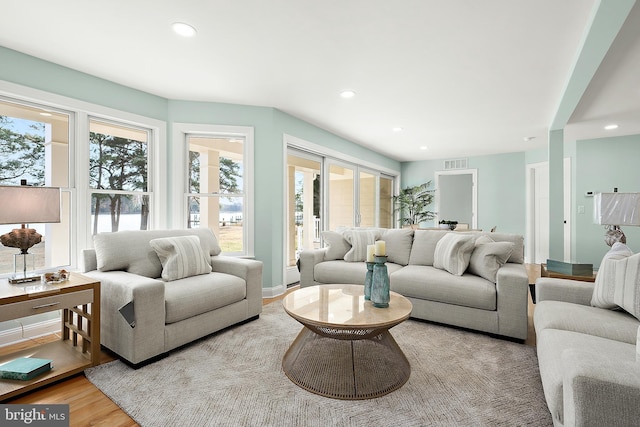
x,y
462,77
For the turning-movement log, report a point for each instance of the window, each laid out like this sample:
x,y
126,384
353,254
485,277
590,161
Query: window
x,y
119,177
34,146
216,188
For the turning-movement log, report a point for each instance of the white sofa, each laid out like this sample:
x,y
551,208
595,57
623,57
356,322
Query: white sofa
x,y
588,346
496,303
168,313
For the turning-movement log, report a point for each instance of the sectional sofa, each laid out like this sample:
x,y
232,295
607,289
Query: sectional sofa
x,y
161,289
475,280
588,344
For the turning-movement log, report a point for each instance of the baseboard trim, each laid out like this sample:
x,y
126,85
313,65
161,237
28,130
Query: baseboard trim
x,y
274,291
27,332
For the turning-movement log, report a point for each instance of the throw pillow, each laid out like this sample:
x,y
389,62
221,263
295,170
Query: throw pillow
x,y
337,246
453,252
398,245
488,256
638,345
359,240
605,286
424,246
627,284
181,256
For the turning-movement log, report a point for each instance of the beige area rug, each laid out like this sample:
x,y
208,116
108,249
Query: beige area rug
x,y
235,378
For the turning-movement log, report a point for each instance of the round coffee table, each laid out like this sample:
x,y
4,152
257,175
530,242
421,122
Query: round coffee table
x,y
345,350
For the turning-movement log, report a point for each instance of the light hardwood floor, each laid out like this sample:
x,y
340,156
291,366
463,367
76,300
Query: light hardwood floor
x,y
88,406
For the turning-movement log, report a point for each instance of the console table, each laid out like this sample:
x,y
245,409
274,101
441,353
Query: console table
x,y
78,299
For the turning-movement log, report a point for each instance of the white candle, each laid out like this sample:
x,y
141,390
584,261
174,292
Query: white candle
x,y
381,248
371,250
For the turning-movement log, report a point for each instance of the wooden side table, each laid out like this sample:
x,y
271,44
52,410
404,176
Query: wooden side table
x,y
79,347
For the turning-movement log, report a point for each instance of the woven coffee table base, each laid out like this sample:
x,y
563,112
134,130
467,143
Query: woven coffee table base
x,y
348,365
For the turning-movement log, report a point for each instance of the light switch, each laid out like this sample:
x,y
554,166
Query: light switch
x,y
581,209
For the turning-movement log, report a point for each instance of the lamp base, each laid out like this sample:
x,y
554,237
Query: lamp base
x,y
23,265
614,234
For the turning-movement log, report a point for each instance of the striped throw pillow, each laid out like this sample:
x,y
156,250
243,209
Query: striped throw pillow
x,y
181,257
359,240
453,252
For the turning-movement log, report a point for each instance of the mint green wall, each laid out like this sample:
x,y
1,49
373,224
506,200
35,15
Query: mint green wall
x,y
269,126
38,74
601,165
501,188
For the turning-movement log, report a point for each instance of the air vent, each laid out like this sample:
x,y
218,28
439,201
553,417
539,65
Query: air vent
x,y
456,164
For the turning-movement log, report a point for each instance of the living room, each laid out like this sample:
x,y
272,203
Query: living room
x,y
572,128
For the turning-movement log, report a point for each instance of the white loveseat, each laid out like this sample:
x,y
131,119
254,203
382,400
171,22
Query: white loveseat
x,y
168,310
481,286
588,344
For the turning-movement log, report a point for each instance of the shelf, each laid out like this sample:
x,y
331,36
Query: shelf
x,y
67,361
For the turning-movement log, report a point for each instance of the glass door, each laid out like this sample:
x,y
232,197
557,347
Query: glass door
x,y
304,207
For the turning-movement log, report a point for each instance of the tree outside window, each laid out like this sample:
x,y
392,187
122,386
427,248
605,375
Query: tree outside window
x,y
118,177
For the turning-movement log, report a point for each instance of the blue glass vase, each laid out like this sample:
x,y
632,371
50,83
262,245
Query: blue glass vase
x,y
367,281
380,283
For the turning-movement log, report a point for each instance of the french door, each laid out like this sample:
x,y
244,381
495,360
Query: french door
x,y
357,196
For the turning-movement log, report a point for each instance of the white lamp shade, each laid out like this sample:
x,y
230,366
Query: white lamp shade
x,y
616,208
29,205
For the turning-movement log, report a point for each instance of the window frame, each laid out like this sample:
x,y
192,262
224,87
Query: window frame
x,y
180,184
81,236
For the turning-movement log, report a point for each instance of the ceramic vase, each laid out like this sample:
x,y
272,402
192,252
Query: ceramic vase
x,y
380,283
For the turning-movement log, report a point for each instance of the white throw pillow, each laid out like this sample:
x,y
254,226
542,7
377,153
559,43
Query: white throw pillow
x,y
359,240
337,246
181,257
608,276
488,256
453,252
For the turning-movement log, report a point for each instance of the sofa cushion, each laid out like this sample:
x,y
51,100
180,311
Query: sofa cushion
x,y
345,272
453,252
359,240
195,295
488,256
398,245
611,324
181,256
130,250
552,344
430,283
424,246
517,256
337,246
610,281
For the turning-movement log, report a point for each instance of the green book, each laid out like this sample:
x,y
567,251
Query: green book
x,y
25,368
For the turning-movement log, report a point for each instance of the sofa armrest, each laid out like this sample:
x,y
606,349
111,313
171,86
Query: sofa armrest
x,y
512,286
599,391
308,261
247,269
146,339
574,291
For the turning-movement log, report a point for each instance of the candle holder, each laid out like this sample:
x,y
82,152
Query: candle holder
x,y
367,280
380,283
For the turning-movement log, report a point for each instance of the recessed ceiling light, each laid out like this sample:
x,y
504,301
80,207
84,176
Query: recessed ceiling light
x,y
424,147
611,127
185,30
347,94
398,129
528,138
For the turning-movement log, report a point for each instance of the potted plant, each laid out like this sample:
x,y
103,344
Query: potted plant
x,y
412,204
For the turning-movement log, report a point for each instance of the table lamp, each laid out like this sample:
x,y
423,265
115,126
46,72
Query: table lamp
x,y
616,209
26,205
